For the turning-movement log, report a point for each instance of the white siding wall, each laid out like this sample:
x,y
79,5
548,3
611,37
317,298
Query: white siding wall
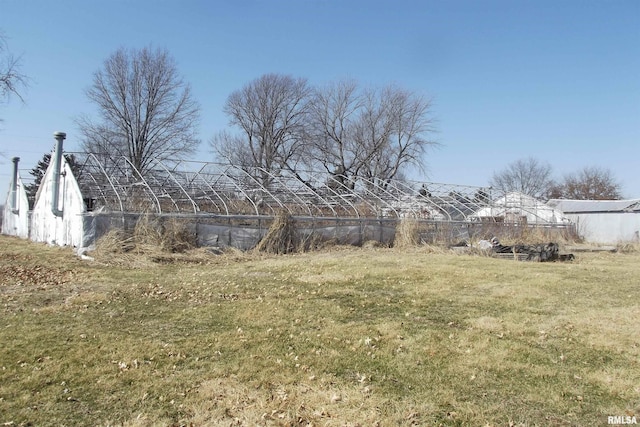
x,y
65,230
16,223
609,228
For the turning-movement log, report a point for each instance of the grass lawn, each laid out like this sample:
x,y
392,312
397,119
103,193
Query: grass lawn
x,y
343,337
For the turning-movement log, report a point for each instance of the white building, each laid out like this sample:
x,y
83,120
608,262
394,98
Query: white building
x,y
57,216
15,217
603,221
519,208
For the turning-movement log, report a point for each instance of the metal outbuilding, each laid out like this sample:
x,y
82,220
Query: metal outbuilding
x,y
603,221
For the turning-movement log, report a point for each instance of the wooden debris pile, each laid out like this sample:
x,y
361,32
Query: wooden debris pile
x,y
540,253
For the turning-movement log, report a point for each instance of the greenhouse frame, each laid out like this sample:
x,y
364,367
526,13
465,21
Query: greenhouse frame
x,y
226,205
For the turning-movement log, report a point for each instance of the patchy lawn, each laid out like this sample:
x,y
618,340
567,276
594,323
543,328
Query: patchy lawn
x,y
340,337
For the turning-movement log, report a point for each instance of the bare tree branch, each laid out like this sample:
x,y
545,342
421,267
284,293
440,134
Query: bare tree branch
x,y
12,81
590,183
407,131
271,114
146,109
528,176
334,114
351,133
374,134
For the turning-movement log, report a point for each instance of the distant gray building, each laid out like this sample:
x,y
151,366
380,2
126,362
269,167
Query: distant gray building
x,y
603,221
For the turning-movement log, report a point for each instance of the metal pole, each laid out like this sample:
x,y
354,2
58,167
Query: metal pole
x,y
15,209
55,188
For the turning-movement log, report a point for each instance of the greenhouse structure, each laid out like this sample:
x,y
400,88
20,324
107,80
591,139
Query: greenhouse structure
x,y
518,208
226,205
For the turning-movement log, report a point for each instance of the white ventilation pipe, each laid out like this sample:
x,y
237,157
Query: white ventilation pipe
x,y
15,209
57,161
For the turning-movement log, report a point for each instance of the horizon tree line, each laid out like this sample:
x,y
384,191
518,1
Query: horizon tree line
x,y
352,133
277,123
535,178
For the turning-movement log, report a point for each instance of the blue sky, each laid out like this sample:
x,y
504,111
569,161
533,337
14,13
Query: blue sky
x,y
555,80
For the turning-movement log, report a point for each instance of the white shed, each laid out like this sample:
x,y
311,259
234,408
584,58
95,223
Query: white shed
x,y
603,221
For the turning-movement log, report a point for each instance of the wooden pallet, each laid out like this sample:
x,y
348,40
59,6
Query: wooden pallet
x,y
523,257
512,256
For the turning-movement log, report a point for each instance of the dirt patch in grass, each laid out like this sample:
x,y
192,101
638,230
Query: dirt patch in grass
x,y
38,275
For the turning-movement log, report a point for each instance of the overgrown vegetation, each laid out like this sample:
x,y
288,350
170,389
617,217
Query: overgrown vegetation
x,y
407,233
341,337
628,247
151,234
281,238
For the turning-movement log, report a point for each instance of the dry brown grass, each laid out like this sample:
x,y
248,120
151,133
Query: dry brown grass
x,y
281,238
116,241
170,234
513,234
407,233
153,240
346,336
628,247
151,234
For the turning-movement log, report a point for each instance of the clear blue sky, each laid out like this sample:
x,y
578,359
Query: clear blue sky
x,y
556,80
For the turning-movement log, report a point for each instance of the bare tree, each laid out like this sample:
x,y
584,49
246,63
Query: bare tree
x,y
528,176
403,134
12,81
147,113
353,134
372,134
333,124
590,183
271,114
